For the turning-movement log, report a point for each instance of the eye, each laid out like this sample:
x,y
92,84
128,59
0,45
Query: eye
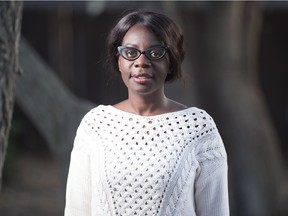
x,y
130,53
156,53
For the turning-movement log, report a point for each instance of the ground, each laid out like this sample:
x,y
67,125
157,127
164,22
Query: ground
x,y
34,187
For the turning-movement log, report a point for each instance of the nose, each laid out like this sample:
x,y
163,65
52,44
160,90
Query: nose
x,y
142,61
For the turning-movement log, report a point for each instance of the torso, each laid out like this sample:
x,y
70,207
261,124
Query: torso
x,y
143,158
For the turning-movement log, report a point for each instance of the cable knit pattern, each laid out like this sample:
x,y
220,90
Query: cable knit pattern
x,y
149,165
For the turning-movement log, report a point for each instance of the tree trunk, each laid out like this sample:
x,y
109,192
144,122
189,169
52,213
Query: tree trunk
x,y
51,107
230,92
10,26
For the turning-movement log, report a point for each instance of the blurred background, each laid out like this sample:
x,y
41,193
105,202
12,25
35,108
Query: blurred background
x,y
236,68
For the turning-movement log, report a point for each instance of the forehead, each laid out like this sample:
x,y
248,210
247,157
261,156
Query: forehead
x,y
140,35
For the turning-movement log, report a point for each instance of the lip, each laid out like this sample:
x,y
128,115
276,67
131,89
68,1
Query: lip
x,y
142,75
142,78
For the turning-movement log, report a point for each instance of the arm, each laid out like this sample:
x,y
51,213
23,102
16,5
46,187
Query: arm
x,y
211,185
211,189
78,189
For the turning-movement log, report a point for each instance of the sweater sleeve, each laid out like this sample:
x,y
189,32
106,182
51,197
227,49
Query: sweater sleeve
x,y
211,185
78,188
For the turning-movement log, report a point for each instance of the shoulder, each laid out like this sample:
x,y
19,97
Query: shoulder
x,y
197,122
203,121
85,134
94,116
92,120
208,142
97,111
199,115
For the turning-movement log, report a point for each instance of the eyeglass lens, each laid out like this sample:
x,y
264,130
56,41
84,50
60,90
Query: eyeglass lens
x,y
131,53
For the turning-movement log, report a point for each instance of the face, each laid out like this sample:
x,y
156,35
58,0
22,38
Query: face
x,y
142,75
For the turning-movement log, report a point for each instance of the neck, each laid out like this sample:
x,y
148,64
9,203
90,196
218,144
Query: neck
x,y
147,105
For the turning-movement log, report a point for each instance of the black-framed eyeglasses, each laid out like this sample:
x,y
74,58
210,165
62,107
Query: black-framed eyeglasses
x,y
153,53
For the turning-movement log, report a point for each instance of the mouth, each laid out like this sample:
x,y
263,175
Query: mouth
x,y
142,76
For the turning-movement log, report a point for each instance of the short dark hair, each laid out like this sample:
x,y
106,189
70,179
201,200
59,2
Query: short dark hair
x,y
164,29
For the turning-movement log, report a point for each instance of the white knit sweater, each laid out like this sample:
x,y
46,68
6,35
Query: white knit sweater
x,y
169,164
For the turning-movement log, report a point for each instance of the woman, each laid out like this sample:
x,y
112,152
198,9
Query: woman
x,y
147,155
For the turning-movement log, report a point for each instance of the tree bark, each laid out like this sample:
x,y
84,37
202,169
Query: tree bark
x,y
230,92
10,26
50,106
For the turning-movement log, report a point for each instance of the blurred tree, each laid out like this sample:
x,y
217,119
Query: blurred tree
x,y
230,90
49,105
10,25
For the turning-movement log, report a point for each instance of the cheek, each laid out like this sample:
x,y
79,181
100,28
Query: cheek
x,y
165,67
123,65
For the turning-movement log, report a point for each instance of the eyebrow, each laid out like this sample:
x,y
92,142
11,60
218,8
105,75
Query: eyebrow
x,y
136,47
